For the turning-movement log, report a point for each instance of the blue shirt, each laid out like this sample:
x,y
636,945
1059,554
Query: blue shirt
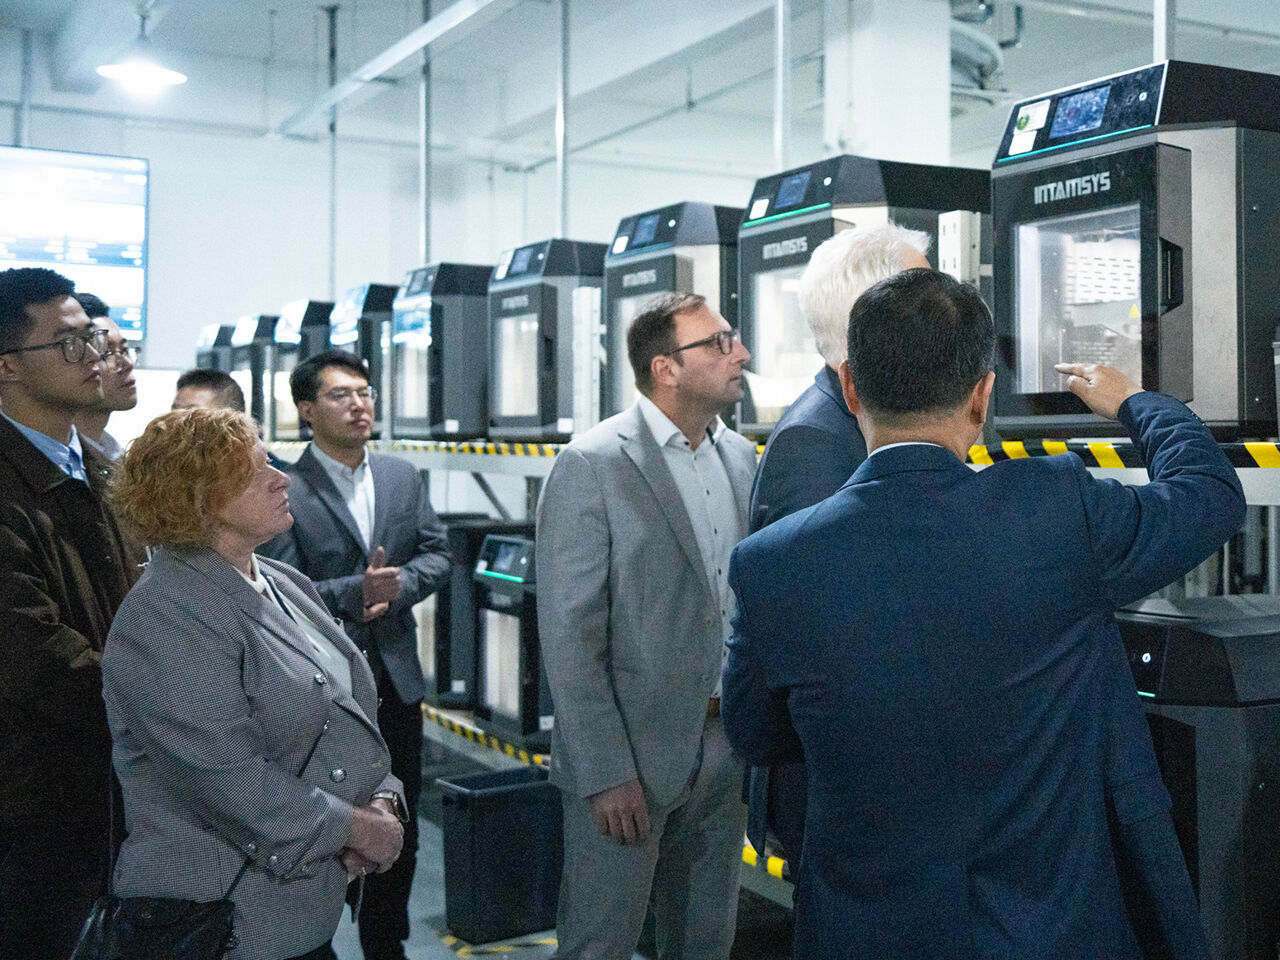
x,y
69,458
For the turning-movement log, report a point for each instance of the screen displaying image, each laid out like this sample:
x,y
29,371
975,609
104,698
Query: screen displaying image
x,y
1080,112
520,260
84,216
645,230
516,392
791,190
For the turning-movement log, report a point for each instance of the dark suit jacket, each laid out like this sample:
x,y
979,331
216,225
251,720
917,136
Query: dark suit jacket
x,y
812,451
64,569
324,543
941,642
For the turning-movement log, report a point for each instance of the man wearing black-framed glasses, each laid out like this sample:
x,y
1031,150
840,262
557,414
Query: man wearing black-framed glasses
x,y
119,388
365,532
635,528
64,569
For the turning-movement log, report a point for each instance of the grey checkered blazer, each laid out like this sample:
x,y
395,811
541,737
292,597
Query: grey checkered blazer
x,y
214,701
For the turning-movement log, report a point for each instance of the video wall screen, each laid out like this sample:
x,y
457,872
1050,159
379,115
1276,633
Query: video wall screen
x,y
84,216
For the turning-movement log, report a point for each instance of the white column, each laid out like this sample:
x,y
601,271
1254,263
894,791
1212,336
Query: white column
x,y
887,79
1164,14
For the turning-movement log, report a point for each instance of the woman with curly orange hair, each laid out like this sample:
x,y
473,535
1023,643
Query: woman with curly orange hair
x,y
242,718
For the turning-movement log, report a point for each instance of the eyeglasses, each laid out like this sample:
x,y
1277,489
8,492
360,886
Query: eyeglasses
x,y
723,340
73,347
345,394
116,358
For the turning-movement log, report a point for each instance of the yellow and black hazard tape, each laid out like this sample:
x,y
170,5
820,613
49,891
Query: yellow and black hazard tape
x,y
464,949
775,866
1115,455
476,735
479,447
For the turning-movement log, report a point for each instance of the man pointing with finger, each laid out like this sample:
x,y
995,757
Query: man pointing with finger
x,y
940,643
635,528
365,533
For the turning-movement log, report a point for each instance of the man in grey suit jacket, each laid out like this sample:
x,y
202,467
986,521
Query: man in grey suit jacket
x,y
365,533
635,528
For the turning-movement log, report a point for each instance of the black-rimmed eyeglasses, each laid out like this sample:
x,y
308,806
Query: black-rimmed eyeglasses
x,y
722,340
73,347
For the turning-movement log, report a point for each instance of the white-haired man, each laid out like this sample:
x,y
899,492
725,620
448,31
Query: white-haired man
x,y
814,449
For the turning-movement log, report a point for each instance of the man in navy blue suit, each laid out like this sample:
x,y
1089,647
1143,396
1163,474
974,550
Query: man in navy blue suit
x,y
812,451
940,643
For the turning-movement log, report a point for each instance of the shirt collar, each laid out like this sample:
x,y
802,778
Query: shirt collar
x,y
336,468
63,455
663,429
904,443
257,581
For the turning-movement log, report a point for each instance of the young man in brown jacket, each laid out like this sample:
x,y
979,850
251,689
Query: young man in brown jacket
x,y
64,568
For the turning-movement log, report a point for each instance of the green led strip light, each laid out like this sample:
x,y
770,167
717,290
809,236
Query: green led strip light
x,y
1074,143
789,213
501,576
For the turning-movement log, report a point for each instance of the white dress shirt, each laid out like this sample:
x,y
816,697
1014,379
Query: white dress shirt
x,y
328,655
356,488
704,487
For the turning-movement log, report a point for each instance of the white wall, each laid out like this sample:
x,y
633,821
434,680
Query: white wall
x,y
239,221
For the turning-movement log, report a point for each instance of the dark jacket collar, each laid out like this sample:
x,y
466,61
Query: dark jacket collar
x,y
312,471
828,381
916,458
37,471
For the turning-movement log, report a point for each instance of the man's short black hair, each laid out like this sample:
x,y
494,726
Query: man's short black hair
x,y
653,333
305,379
24,287
226,391
918,343
92,305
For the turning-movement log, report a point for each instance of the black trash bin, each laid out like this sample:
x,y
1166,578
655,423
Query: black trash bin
x,y
503,853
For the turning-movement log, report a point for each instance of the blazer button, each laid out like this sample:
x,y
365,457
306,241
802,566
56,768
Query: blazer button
x,y
273,860
325,728
320,680
251,849
337,775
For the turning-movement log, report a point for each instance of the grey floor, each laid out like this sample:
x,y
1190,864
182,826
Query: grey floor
x,y
763,927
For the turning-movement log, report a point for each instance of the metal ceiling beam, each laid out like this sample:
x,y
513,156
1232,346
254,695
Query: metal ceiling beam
x,y
459,13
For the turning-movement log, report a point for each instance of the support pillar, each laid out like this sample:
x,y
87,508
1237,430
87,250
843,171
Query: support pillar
x,y
887,79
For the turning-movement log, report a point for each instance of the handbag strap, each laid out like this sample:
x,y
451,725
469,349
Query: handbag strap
x,y
248,860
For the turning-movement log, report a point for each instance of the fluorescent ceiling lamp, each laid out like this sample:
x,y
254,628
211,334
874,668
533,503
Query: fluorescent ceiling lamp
x,y
137,71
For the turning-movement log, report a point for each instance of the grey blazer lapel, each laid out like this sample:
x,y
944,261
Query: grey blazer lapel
x,y
318,479
361,680
223,575
384,498
643,450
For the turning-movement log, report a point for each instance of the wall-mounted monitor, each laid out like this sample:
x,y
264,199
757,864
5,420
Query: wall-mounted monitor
x,y
84,216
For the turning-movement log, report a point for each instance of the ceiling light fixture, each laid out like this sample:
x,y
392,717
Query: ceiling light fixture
x,y
137,71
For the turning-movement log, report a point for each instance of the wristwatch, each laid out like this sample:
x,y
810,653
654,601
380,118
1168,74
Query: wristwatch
x,y
397,804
